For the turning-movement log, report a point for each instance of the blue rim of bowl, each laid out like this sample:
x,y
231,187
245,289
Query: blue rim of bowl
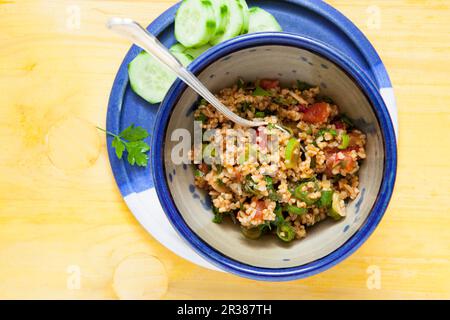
x,y
384,194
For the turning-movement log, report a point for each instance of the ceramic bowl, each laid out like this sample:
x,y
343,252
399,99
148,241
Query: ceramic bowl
x,y
287,57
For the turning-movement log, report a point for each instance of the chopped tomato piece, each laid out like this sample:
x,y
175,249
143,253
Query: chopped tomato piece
x,y
260,206
267,84
203,168
317,113
238,175
341,159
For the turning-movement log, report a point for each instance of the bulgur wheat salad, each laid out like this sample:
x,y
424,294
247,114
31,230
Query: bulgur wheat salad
x,y
311,175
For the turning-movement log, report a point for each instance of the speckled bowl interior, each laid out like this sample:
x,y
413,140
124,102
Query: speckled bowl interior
x,y
287,64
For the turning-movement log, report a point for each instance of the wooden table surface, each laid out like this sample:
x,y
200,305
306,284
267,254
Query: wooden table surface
x,y
65,231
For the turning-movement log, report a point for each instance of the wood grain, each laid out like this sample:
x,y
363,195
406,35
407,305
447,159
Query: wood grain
x,y
60,219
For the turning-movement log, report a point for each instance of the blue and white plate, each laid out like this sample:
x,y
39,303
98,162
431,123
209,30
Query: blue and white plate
x,y
313,19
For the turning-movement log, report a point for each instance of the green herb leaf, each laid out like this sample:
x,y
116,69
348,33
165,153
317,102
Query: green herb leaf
x,y
330,131
198,173
119,146
241,83
243,107
218,216
302,86
201,118
260,92
131,139
137,153
345,119
133,133
326,99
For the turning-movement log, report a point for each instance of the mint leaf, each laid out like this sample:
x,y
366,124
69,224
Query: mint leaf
x,y
119,146
133,133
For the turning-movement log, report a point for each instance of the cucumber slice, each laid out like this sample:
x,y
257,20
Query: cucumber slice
x,y
234,23
337,210
195,53
261,20
246,16
149,78
184,58
178,47
195,23
222,12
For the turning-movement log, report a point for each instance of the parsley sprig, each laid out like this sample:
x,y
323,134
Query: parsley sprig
x,y
132,141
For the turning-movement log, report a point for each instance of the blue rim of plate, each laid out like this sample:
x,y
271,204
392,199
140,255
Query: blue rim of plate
x,y
384,194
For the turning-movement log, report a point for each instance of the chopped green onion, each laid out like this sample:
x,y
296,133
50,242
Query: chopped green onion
x,y
300,194
253,233
250,186
326,199
260,92
292,153
285,232
296,210
345,142
244,157
284,101
272,192
279,219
